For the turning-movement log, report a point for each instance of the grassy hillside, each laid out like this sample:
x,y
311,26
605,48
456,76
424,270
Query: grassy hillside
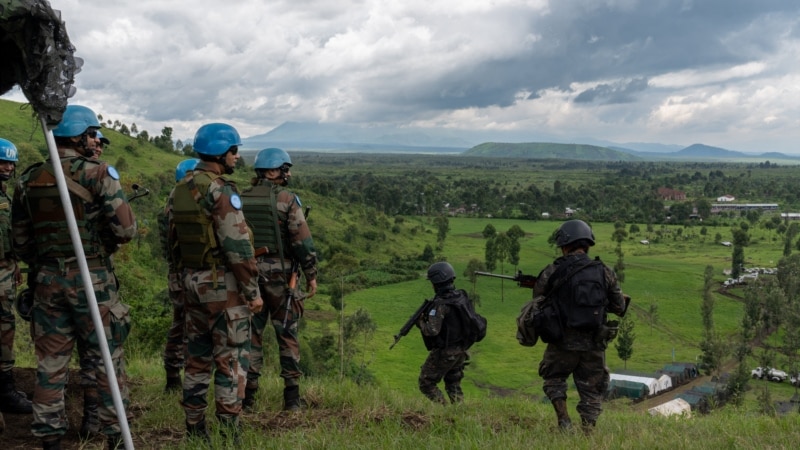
x,y
549,150
503,407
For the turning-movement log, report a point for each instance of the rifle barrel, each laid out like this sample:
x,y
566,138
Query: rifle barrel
x,y
495,275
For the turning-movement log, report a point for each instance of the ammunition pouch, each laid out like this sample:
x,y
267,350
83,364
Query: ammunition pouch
x,y
607,332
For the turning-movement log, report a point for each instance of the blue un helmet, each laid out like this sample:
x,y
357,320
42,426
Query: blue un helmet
x,y
104,140
75,121
8,151
272,158
187,165
214,139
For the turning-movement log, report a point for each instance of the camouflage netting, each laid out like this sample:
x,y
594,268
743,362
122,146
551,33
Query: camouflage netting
x,y
37,55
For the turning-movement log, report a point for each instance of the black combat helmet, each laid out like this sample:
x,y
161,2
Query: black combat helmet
x,y
573,230
441,272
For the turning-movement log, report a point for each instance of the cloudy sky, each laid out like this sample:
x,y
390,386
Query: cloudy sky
x,y
720,72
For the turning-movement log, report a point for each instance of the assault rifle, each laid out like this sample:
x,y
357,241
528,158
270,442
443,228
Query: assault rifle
x,y
411,321
293,278
522,280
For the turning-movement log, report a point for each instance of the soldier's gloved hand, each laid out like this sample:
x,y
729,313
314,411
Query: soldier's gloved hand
x,y
255,305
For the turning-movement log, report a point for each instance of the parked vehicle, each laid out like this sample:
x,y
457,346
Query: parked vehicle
x,y
769,373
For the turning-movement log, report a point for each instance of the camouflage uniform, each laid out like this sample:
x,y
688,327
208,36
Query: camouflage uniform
x,y
296,246
61,312
11,400
579,353
219,278
443,334
175,348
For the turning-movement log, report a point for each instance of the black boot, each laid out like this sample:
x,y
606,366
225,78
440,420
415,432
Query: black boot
x,y
231,428
11,400
115,442
292,400
51,443
587,425
174,384
564,422
90,424
249,400
198,430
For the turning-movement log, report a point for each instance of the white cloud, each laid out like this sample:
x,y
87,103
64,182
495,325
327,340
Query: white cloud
x,y
674,71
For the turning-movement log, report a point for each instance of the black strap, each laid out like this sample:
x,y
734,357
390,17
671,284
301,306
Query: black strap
x,y
561,280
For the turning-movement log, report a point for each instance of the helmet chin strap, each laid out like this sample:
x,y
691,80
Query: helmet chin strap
x,y
84,144
282,179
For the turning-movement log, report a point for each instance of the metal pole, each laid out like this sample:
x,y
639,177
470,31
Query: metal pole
x,y
72,225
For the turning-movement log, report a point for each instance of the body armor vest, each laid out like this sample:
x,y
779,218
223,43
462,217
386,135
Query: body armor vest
x,y
582,299
260,212
48,217
197,242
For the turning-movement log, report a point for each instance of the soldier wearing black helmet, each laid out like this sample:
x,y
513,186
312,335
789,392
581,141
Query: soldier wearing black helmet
x,y
584,291
449,328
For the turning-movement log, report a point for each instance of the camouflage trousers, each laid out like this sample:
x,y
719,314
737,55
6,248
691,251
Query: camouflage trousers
x,y
60,317
443,363
175,348
589,372
218,339
7,319
274,292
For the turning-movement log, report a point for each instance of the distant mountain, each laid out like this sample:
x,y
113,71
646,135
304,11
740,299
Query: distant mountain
x,y
328,137
707,151
549,150
324,136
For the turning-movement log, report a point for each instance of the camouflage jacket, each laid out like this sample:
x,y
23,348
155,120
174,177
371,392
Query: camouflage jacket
x,y
577,339
222,205
108,216
298,244
7,258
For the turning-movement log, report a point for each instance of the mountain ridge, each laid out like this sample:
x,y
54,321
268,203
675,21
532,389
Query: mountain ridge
x,y
328,137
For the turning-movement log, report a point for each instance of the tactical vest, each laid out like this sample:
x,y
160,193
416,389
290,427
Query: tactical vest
x,y
454,330
197,242
582,300
48,217
259,206
5,226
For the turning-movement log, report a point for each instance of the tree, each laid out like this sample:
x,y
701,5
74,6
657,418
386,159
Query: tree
x,y
427,254
469,273
740,240
442,227
624,343
515,232
489,231
359,324
703,208
652,315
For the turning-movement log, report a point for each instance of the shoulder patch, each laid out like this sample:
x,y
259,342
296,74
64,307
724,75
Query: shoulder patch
x,y
297,199
236,201
112,172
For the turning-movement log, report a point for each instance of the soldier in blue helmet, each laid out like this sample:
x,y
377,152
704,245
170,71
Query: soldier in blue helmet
x,y
61,313
209,239
175,349
100,144
11,400
283,242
